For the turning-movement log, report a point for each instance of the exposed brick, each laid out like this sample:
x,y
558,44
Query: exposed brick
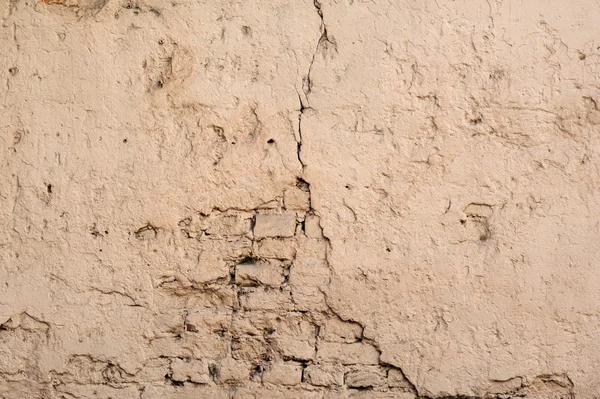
x,y
154,370
231,371
289,373
308,299
190,392
230,223
175,294
397,380
208,321
249,348
266,299
371,394
275,393
190,370
171,339
236,248
295,348
295,340
297,199
276,248
505,387
265,322
252,323
365,376
275,225
191,345
269,273
336,330
312,227
355,353
324,375
205,267
309,271
85,392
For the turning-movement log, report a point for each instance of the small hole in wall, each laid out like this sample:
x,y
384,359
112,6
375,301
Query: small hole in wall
x,y
256,372
49,188
246,30
265,357
160,83
388,250
174,383
125,141
476,121
269,331
270,141
213,371
463,221
161,41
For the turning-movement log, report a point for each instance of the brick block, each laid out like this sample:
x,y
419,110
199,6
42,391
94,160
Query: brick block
x,y
309,271
336,330
275,393
230,371
275,225
289,373
312,227
190,370
276,248
249,348
259,273
308,298
297,199
324,375
295,339
396,379
266,299
190,392
295,348
355,353
230,223
365,376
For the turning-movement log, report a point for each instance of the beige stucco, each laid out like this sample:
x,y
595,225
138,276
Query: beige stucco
x,y
288,199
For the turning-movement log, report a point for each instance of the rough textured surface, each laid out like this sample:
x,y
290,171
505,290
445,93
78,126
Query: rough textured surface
x,y
298,199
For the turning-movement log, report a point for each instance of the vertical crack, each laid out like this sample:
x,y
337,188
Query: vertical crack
x,y
323,41
307,81
299,138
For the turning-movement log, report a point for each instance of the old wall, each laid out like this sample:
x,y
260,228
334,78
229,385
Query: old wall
x,y
287,199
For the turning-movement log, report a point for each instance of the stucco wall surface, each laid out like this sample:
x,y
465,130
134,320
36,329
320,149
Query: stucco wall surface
x,y
295,199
